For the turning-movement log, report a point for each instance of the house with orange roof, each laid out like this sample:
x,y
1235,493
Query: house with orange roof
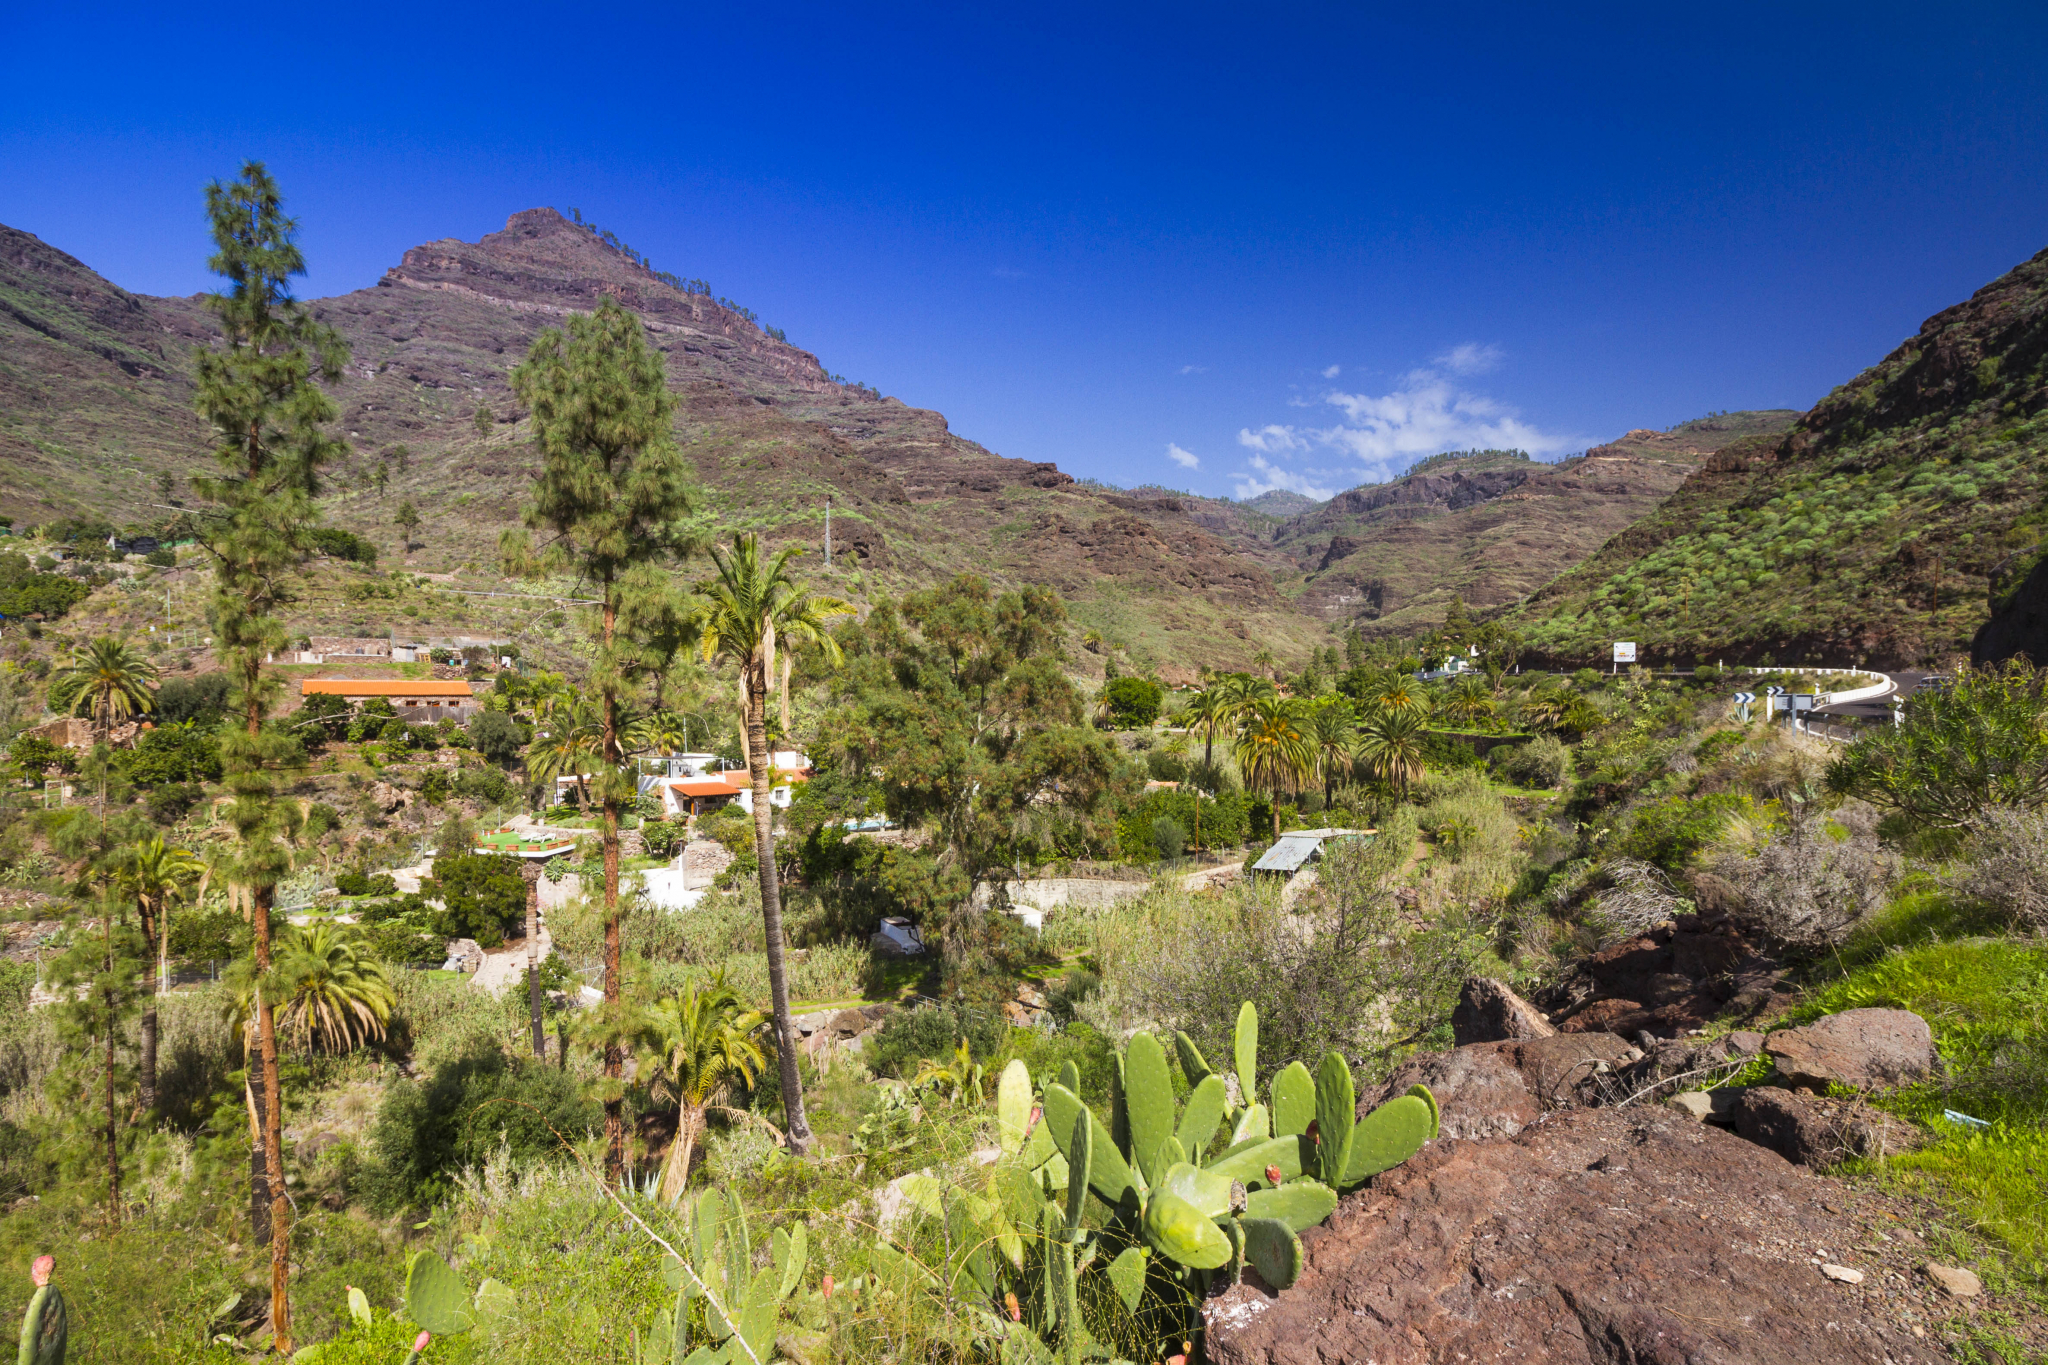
x,y
424,699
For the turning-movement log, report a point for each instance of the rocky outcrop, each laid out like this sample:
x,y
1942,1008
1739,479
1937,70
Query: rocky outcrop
x,y
1490,1090
1816,1132
1679,976
1489,1012
1592,1236
1866,1049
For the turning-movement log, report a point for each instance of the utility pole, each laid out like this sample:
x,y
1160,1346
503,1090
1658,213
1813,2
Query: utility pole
x,y
828,530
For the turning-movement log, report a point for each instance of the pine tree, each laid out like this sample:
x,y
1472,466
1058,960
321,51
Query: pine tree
x,y
258,391
610,500
96,981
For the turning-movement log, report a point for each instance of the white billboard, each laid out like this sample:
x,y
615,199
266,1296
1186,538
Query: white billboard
x,y
1624,651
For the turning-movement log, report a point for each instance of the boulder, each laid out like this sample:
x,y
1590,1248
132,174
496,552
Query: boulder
x,y
1489,1012
1497,1089
1866,1049
1816,1132
1954,1281
1594,1236
1679,976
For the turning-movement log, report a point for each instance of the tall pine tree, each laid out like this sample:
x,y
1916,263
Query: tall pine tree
x,y
257,387
610,504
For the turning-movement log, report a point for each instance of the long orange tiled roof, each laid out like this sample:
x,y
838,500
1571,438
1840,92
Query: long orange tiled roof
x,y
384,687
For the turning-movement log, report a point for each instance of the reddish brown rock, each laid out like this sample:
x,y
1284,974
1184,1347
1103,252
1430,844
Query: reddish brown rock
x,y
1818,1132
1679,976
1489,1012
1497,1089
1867,1049
1592,1237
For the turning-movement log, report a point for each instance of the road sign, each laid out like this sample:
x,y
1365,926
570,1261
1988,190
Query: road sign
x,y
1774,691
1745,698
1624,651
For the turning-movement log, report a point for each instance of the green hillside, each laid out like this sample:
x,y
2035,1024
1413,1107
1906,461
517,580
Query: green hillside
x,y
1883,528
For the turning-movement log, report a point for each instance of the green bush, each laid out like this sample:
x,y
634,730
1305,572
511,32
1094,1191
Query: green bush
x,y
32,754
360,884
907,1036
1543,762
186,752
496,736
486,785
216,934
460,1116
1670,832
484,894
1133,702
172,802
1168,838
202,700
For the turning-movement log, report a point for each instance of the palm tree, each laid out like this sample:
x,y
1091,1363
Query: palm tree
x,y
1330,732
1272,750
337,995
1469,703
1546,704
753,603
1264,661
571,745
113,681
1390,746
326,990
153,873
1207,712
695,1045
1399,693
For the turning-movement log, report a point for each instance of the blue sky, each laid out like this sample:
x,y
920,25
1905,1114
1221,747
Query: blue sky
x,y
1221,248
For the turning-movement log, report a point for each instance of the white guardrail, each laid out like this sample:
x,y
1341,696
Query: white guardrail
x,y
1882,685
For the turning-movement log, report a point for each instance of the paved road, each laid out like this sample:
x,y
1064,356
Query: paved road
x,y
1904,683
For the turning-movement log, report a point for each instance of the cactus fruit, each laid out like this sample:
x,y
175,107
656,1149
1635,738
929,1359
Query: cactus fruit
x,y
419,1346
1291,1156
1336,1109
435,1296
46,1327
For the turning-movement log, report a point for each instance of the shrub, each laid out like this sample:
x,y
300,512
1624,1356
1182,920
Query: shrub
x,y
1164,767
1543,762
1133,702
1168,837
33,754
215,934
496,736
202,700
1810,885
427,1132
486,785
173,753
173,801
360,884
661,838
483,893
1670,832
163,557
907,1036
2008,866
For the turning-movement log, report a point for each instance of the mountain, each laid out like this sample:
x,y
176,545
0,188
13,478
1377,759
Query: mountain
x,y
1280,502
95,393
1488,526
1898,521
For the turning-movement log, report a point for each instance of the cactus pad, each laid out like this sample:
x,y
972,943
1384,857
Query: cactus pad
x,y
1245,1047
1201,1117
1294,1100
1108,1176
1274,1251
1013,1105
1249,1163
1388,1136
1336,1108
1300,1204
435,1296
1148,1103
1177,1229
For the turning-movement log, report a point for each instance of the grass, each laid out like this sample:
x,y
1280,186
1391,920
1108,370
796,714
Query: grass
x,y
1986,998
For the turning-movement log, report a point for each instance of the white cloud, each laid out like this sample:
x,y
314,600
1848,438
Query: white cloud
x,y
1194,369
1267,476
1470,358
1186,459
1333,371
1272,440
1428,411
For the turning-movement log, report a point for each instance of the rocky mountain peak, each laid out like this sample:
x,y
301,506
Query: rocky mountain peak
x,y
543,263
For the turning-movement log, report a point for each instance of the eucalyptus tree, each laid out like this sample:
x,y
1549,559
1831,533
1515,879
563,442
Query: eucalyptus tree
x,y
751,607
257,388
609,504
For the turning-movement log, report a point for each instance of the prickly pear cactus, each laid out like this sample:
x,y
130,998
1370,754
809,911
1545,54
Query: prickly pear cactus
x,y
45,1328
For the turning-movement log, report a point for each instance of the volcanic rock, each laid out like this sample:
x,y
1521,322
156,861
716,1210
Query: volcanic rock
x,y
1497,1089
1593,1236
1488,1012
1865,1049
1816,1132
1677,977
